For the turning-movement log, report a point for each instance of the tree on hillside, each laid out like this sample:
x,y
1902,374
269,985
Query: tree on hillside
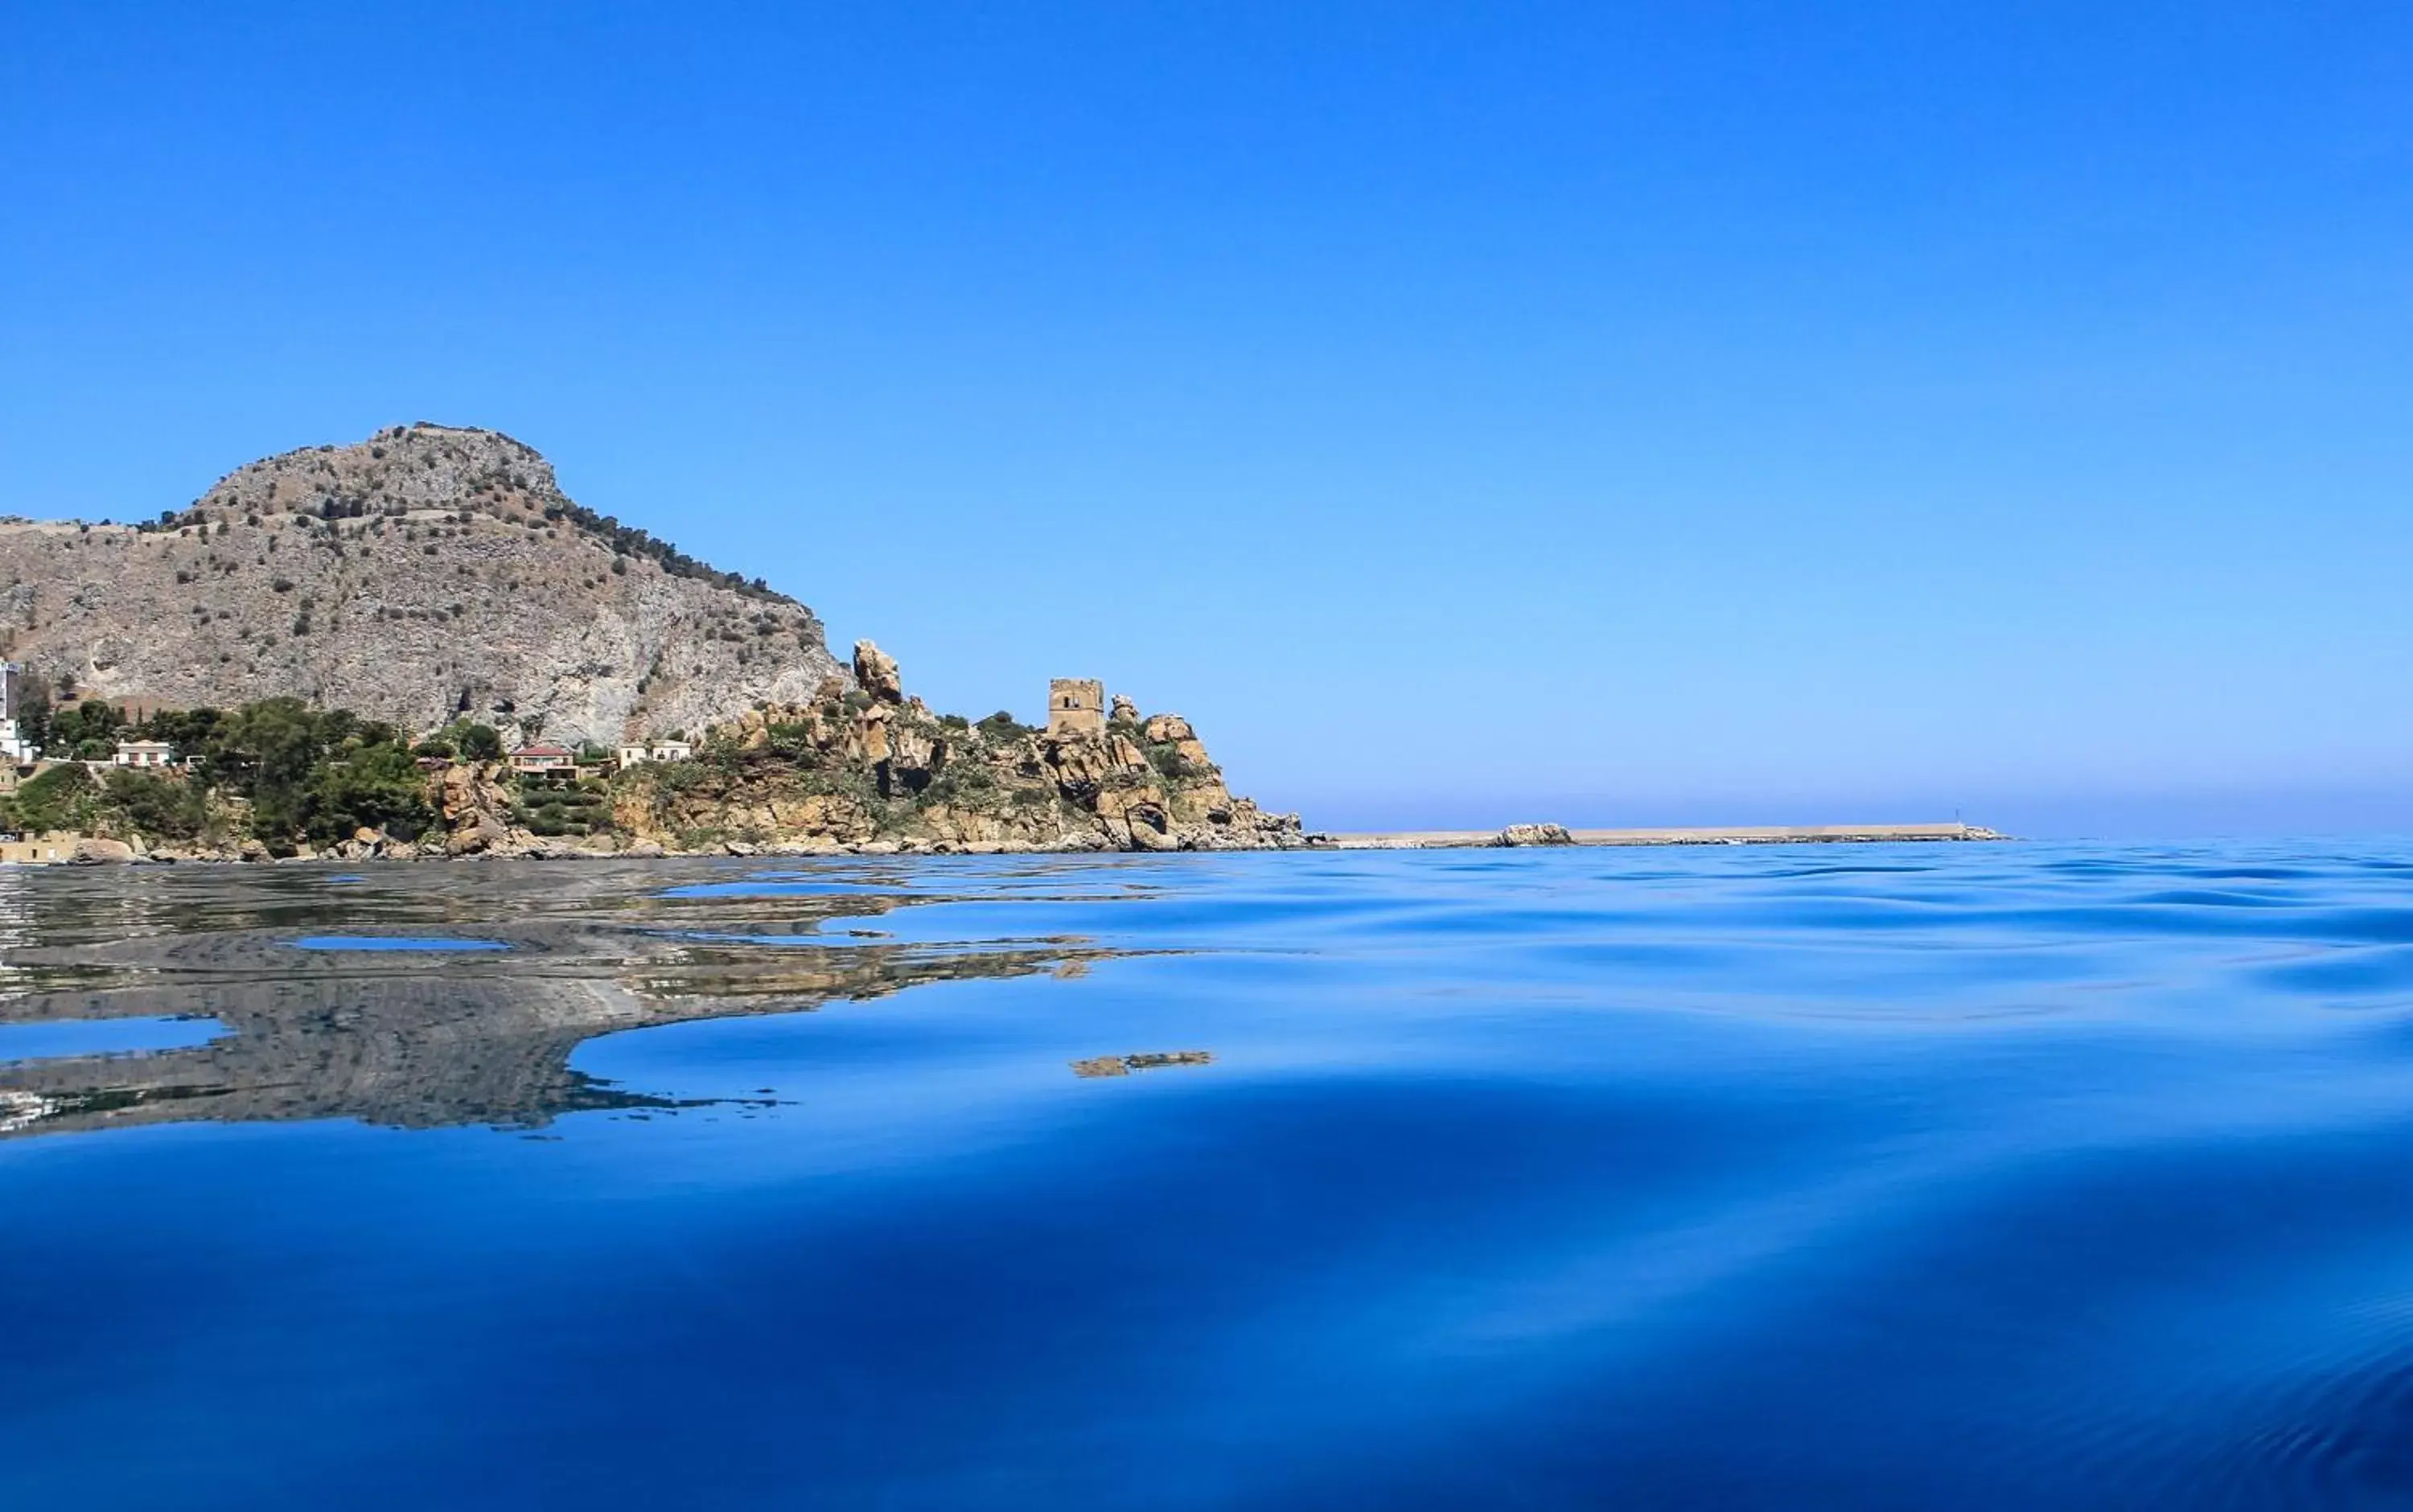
x,y
156,805
477,742
373,785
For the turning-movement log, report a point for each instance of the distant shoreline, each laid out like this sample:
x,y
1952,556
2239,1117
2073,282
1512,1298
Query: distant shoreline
x,y
85,850
1441,839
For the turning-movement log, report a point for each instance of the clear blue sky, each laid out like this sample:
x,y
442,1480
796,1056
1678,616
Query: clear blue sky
x,y
1465,413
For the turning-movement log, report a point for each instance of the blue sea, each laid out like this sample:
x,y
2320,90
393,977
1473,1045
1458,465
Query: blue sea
x,y
2014,1176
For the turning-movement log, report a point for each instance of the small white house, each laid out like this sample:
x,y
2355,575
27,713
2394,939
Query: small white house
x,y
671,750
147,753
631,755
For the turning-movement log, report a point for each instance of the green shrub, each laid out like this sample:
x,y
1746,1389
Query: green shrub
x,y
477,742
58,798
372,785
154,805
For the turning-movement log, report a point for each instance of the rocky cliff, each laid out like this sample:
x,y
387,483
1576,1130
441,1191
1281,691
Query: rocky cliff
x,y
863,768
424,572
872,767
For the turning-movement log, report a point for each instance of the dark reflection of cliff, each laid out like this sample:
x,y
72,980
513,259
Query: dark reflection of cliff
x,y
417,1039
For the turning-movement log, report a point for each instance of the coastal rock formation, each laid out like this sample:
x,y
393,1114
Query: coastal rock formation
x,y
847,769
1534,834
329,651
424,572
875,673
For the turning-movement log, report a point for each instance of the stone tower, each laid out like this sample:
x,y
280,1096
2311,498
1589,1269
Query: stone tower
x,y
1076,707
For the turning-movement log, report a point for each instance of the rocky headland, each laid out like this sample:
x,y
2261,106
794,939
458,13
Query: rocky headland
x,y
352,651
866,768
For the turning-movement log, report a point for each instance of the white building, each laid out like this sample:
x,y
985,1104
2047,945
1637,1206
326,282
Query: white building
x,y
145,754
661,750
13,745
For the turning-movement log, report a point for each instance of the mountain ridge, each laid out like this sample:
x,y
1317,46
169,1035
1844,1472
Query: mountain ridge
x,y
427,571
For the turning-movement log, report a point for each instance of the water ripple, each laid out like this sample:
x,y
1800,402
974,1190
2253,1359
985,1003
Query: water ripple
x,y
1978,1176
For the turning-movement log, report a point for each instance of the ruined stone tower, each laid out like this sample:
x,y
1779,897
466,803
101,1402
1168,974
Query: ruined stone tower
x,y
1076,707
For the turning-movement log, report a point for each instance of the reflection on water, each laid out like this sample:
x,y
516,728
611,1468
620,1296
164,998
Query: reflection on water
x,y
102,1037
1998,1177
424,944
372,1024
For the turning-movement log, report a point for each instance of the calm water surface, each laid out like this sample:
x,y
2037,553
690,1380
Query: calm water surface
x,y
1923,1176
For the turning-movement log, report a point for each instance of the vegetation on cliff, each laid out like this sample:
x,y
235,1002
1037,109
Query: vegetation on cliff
x,y
311,611
276,772
868,765
847,769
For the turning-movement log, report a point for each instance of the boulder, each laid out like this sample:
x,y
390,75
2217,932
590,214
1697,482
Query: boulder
x,y
1534,834
875,673
483,832
92,851
871,734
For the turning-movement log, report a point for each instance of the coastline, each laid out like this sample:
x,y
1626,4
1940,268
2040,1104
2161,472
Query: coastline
x,y
1443,839
85,850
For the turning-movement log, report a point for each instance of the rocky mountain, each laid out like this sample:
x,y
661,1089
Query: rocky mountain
x,y
426,572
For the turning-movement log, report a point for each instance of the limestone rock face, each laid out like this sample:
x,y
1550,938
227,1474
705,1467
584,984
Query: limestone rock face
x,y
424,572
876,673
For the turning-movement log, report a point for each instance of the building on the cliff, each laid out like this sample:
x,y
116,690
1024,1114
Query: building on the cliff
x,y
144,753
1076,707
544,761
13,745
661,750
